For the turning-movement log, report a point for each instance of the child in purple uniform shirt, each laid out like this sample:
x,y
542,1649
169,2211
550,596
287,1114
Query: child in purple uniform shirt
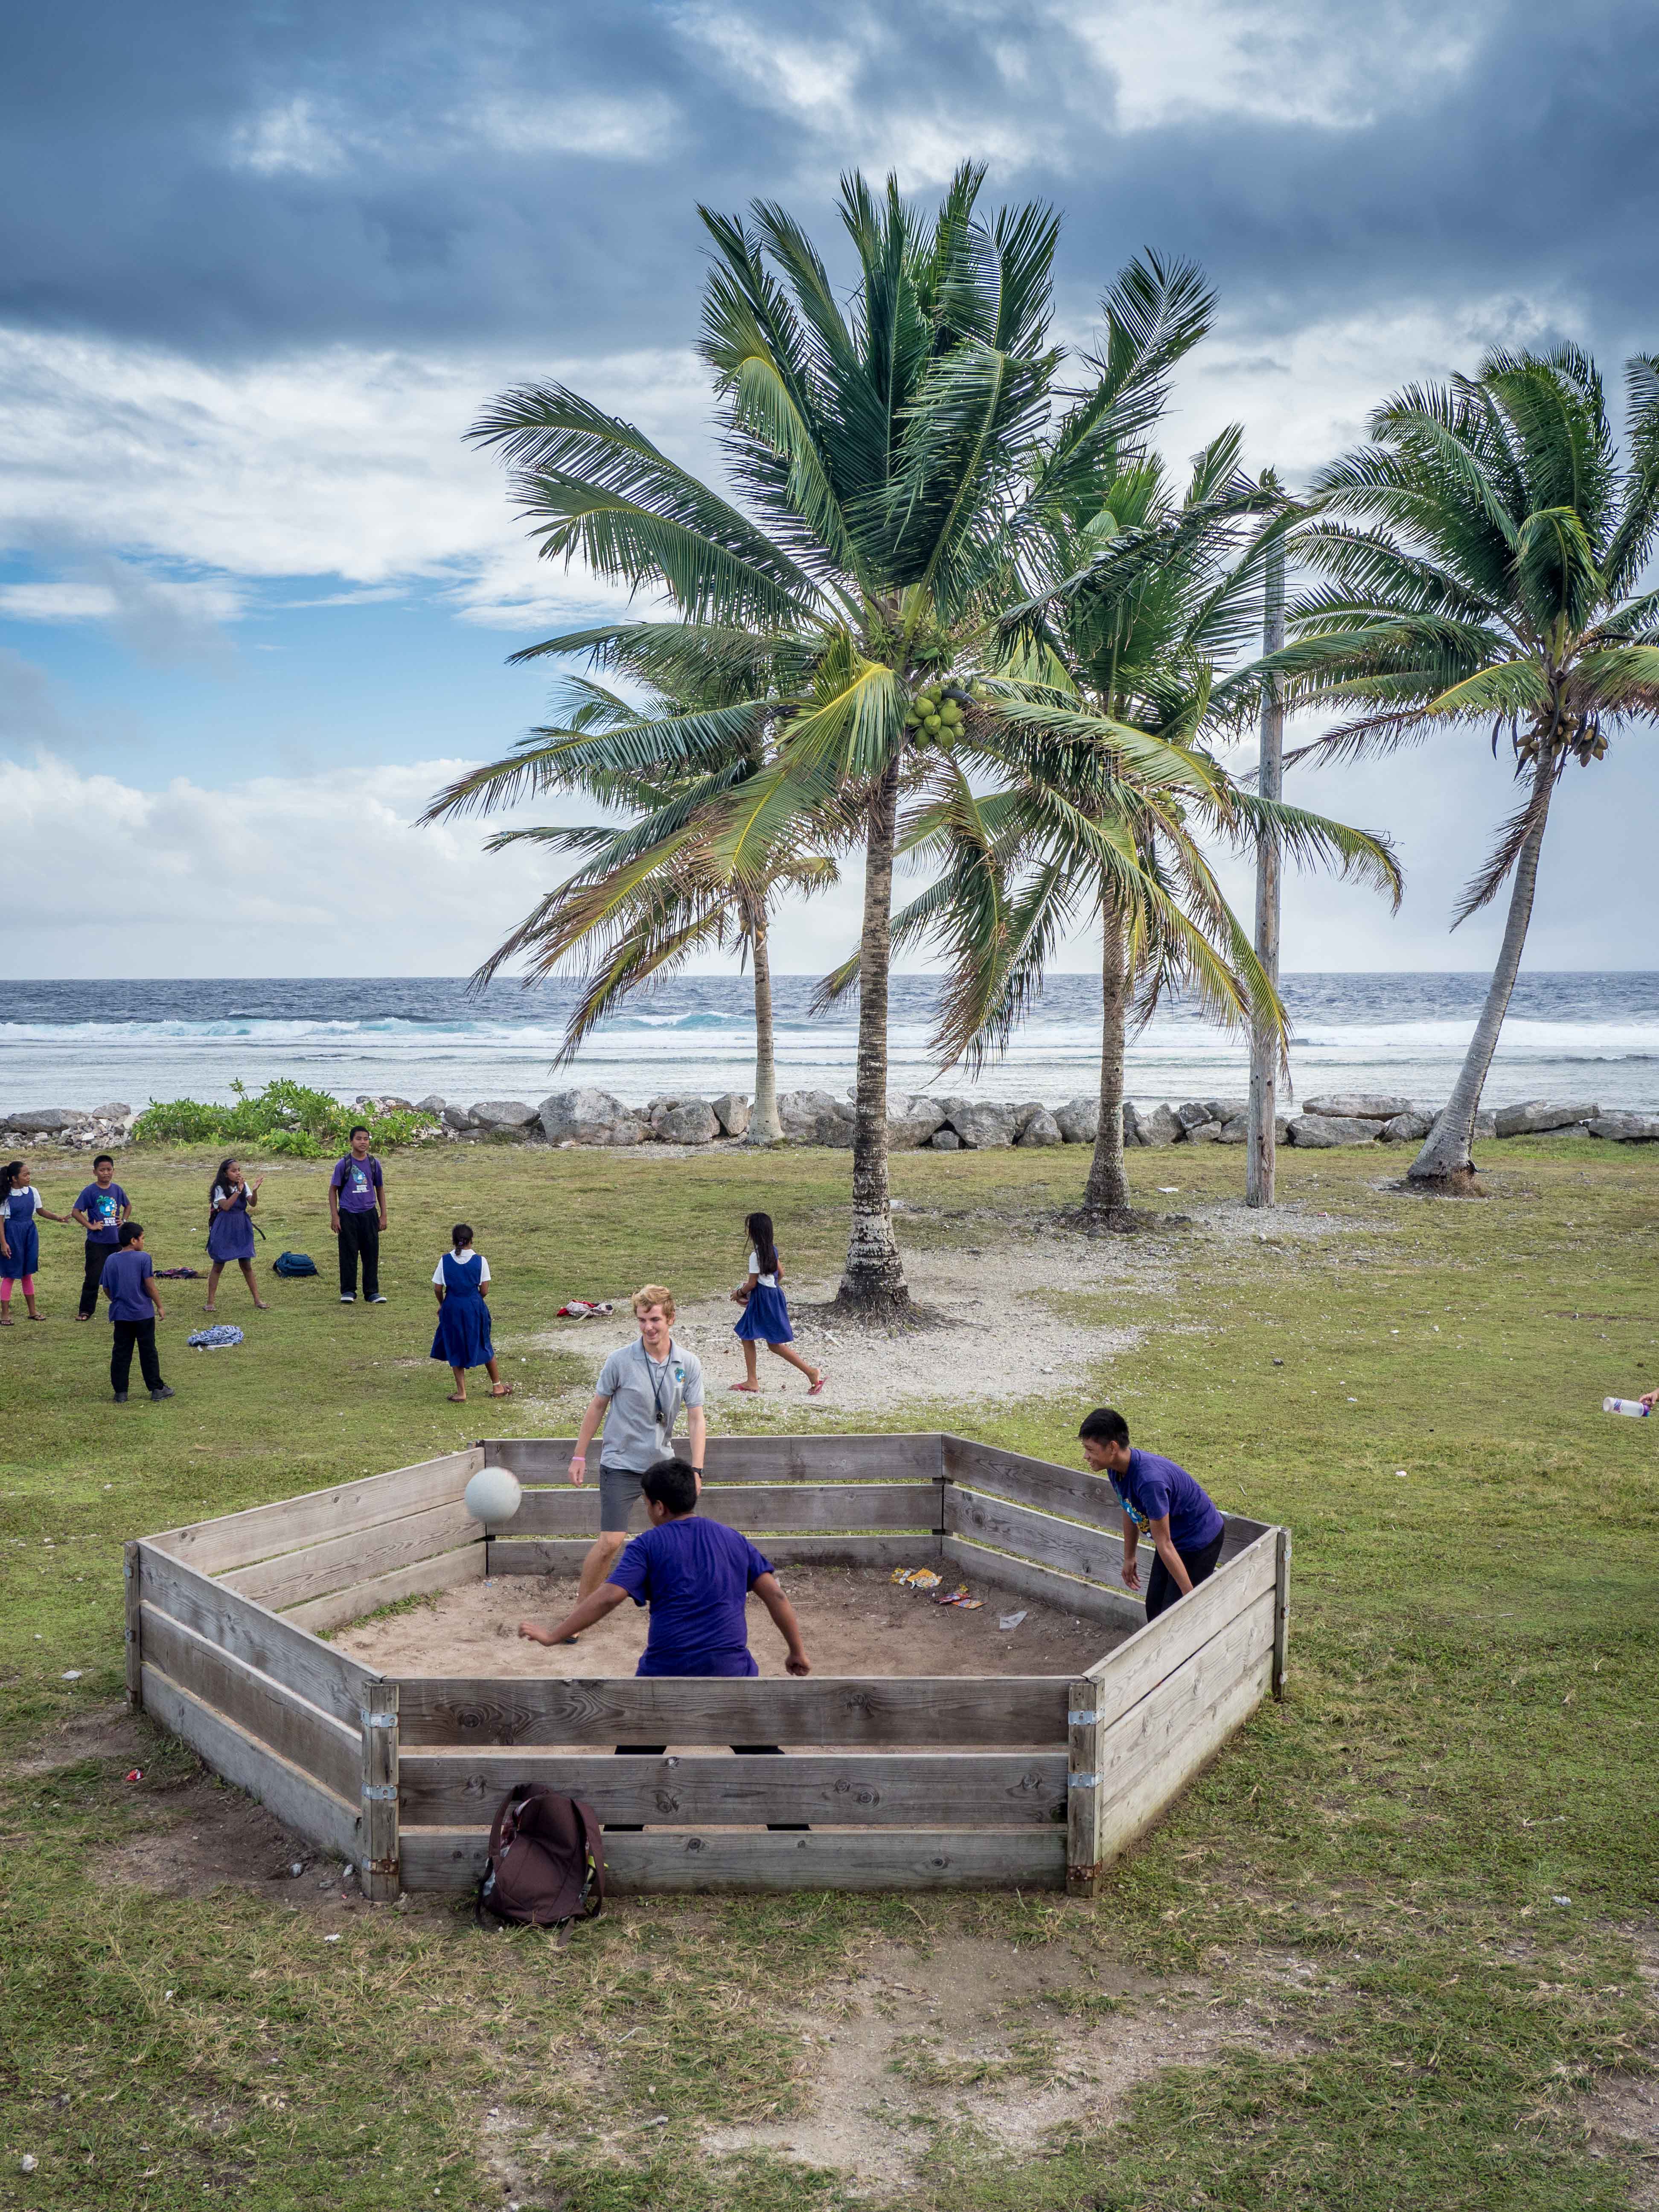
x,y
128,1284
1159,1500
101,1208
356,1214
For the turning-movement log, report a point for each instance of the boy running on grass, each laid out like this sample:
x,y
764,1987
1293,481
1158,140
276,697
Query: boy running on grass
x,y
695,1576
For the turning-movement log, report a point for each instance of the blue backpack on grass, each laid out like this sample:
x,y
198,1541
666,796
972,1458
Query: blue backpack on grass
x,y
294,1263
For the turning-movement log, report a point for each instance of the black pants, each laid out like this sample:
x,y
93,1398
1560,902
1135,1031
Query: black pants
x,y
1162,1590
360,1233
92,1276
126,1334
656,1751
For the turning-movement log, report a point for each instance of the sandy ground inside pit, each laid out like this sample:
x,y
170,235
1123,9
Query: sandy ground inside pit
x,y
854,1620
1004,1312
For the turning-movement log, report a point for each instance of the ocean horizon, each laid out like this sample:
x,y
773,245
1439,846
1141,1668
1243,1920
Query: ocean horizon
x,y
1573,1036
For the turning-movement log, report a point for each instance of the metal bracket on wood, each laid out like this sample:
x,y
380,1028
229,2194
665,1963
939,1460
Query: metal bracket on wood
x,y
385,1793
1083,1782
380,1720
1083,1719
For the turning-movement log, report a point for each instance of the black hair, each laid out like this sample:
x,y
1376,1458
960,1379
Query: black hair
x,y
461,1235
99,1160
9,1175
758,1227
1105,1425
130,1232
357,1129
672,1484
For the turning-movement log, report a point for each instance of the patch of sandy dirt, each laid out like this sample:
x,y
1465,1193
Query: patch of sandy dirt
x,y
854,1621
997,1334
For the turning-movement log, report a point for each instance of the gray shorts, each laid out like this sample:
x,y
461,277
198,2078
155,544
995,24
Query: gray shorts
x,y
619,1494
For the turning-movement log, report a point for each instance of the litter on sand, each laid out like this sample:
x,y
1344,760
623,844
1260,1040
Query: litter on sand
x,y
1010,1620
135,1774
586,1308
71,1674
922,1578
219,1338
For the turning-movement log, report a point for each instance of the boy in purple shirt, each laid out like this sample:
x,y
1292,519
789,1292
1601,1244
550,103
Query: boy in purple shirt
x,y
101,1208
696,1577
356,1215
128,1284
1161,1501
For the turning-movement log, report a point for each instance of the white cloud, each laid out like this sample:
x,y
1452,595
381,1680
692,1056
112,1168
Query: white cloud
x,y
58,603
575,122
288,140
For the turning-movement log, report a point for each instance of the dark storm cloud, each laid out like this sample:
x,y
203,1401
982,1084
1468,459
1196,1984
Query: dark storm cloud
x,y
247,179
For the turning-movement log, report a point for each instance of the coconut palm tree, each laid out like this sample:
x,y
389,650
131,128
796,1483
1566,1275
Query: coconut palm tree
x,y
1143,593
1480,561
893,454
648,894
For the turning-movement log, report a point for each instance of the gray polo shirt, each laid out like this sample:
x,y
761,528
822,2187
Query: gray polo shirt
x,y
646,1396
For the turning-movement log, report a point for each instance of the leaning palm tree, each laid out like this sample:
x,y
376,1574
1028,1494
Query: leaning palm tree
x,y
1110,798
647,894
893,454
1481,559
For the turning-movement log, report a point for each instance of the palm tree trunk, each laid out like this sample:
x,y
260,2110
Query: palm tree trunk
x,y
1444,1163
765,1127
874,1278
1106,1195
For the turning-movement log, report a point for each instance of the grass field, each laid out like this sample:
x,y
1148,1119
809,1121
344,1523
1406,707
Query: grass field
x,y
1372,1874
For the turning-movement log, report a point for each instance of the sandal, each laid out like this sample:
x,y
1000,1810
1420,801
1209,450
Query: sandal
x,y
458,1397
502,1390
745,1386
262,1305
818,1386
6,1322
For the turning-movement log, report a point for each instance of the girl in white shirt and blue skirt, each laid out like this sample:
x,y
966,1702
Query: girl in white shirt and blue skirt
x,y
765,1310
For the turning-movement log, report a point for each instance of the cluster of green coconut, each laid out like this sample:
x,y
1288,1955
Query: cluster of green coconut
x,y
938,710
1589,745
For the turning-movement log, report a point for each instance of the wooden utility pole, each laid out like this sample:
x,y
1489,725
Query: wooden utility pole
x,y
1261,1150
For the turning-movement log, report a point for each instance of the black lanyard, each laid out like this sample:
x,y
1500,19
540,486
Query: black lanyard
x,y
656,1386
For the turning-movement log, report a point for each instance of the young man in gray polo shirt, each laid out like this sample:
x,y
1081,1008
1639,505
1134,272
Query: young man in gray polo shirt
x,y
638,1397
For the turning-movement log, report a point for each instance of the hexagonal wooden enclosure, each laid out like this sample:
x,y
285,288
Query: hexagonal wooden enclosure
x,y
906,1782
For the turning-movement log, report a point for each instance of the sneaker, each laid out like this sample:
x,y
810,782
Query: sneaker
x,y
376,1300
162,1393
120,1397
348,1297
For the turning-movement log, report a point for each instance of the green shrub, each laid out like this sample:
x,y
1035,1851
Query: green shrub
x,y
285,1118
180,1121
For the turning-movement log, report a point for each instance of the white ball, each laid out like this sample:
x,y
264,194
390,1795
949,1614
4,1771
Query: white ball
x,y
493,1494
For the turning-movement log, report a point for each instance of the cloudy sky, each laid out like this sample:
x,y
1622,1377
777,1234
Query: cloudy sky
x,y
260,265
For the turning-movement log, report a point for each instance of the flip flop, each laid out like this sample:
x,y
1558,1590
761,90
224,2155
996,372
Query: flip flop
x,y
262,1305
502,1390
457,1398
816,1387
754,1386
6,1322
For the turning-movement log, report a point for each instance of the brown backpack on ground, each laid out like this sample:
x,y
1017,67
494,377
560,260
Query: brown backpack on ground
x,y
546,1863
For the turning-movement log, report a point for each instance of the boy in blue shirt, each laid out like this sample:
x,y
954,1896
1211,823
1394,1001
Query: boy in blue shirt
x,y
1160,1500
696,1577
128,1284
101,1208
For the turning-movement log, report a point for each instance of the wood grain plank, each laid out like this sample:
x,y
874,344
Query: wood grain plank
x,y
667,1859
261,1639
1157,1649
292,1577
377,1870
1281,1608
749,1506
904,1456
1130,1814
295,1731
293,1795
236,1540
1143,1738
358,1599
905,1789
1091,1554
1113,1608
1082,1790
1041,1484
1027,1711
554,1555
132,1588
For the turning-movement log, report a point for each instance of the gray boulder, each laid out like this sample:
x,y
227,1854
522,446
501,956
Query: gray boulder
x,y
1192,1114
1027,1110
945,1140
1079,1120
1626,1128
1160,1127
113,1109
693,1123
983,1126
912,1120
1041,1129
456,1117
732,1111
1486,1121
43,1121
589,1117
1356,1106
1204,1133
813,1117
432,1103
1323,1131
1539,1115
1407,1128
387,1102
510,1114
1237,1131
1134,1130
1225,1109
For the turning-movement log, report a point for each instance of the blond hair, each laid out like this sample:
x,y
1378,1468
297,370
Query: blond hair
x,y
654,1294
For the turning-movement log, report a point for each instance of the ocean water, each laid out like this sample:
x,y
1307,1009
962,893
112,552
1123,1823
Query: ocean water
x,y
1579,1037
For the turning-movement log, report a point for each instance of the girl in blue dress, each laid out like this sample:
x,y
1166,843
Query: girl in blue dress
x,y
765,1310
230,1233
21,1206
461,1281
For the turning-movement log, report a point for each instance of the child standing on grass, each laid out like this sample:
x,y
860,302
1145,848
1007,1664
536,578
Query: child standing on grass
x,y
461,1283
20,1205
230,1232
101,1208
128,1284
765,1310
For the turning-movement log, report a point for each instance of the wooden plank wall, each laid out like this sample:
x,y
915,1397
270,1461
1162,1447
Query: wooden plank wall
x,y
901,1457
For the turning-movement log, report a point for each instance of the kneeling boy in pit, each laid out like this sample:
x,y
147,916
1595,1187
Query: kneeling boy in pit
x,y
695,1576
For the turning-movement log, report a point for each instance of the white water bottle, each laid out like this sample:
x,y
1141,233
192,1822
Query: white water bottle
x,y
1627,1406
